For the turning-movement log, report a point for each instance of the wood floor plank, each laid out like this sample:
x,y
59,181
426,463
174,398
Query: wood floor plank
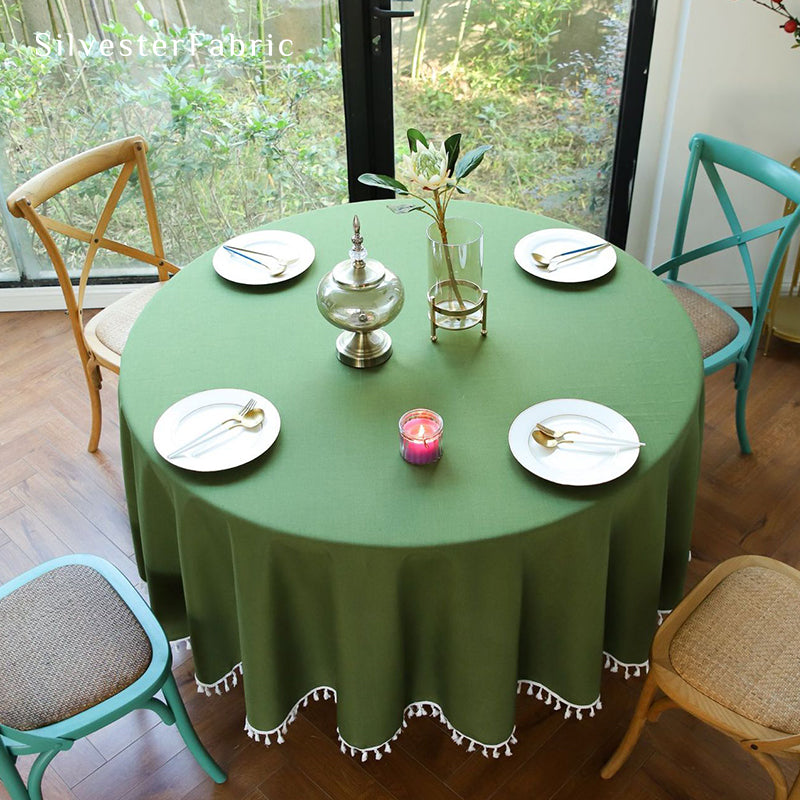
x,y
114,738
32,536
77,763
289,783
53,787
77,487
8,504
14,472
13,562
178,776
127,770
77,532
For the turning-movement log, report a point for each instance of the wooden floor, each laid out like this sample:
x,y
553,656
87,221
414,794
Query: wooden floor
x,y
55,498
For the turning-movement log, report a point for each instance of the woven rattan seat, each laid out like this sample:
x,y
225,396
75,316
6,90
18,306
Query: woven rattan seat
x,y
714,327
741,647
67,642
112,325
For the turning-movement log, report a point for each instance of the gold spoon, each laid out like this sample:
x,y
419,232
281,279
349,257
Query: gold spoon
x,y
554,440
250,419
554,262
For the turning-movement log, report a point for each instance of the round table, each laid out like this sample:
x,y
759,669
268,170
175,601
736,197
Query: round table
x,y
445,589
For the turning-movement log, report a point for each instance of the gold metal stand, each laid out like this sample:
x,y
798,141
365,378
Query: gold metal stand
x,y
463,314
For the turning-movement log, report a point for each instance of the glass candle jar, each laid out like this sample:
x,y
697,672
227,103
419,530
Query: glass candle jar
x,y
421,436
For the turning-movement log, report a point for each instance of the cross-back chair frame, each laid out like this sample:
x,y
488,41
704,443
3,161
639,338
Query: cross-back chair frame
x,y
47,742
24,202
711,152
664,689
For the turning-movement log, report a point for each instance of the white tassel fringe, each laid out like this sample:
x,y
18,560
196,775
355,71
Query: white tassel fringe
x,y
226,682
614,665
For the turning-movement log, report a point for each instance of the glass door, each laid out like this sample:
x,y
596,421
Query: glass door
x,y
539,80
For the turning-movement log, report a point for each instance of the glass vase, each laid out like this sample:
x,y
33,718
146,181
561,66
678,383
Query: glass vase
x,y
456,297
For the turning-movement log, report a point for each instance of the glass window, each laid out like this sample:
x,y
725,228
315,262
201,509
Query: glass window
x,y
241,104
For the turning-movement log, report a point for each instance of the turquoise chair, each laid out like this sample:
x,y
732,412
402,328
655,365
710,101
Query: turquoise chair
x,y
726,337
79,648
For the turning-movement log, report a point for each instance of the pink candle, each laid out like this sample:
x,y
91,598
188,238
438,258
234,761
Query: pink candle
x,y
421,436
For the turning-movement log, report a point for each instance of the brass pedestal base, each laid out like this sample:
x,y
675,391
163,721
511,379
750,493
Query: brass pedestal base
x,y
358,349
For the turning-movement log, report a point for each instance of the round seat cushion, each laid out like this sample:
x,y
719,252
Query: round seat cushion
x,y
714,327
740,647
67,642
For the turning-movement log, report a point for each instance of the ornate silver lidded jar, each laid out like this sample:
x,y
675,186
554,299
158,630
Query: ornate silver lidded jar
x,y
361,296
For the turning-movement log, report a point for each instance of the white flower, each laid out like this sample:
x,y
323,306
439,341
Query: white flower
x,y
426,168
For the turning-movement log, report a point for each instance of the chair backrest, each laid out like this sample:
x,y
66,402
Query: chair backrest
x,y
711,153
129,154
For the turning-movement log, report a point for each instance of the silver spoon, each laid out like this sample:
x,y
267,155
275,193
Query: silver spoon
x,y
273,271
554,262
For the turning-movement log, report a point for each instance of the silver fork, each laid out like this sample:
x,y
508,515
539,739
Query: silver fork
x,y
282,263
236,418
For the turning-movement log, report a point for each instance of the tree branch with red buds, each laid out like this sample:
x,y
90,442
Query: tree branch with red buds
x,y
792,23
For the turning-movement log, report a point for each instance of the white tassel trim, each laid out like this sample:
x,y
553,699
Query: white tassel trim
x,y
175,644
226,682
427,708
320,692
551,698
423,709
614,664
417,709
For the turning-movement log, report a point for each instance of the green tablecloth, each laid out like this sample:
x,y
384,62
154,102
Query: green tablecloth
x,y
329,561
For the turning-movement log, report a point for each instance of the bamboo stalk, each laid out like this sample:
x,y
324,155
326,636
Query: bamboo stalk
x,y
419,41
164,19
85,15
182,13
53,21
26,35
462,29
262,35
10,24
96,17
2,32
64,14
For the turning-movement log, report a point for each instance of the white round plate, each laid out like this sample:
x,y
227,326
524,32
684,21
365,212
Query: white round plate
x,y
199,412
573,464
552,241
281,244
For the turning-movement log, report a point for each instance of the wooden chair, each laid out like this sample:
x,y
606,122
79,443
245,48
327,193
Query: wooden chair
x,y
783,311
79,649
101,341
727,337
729,654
